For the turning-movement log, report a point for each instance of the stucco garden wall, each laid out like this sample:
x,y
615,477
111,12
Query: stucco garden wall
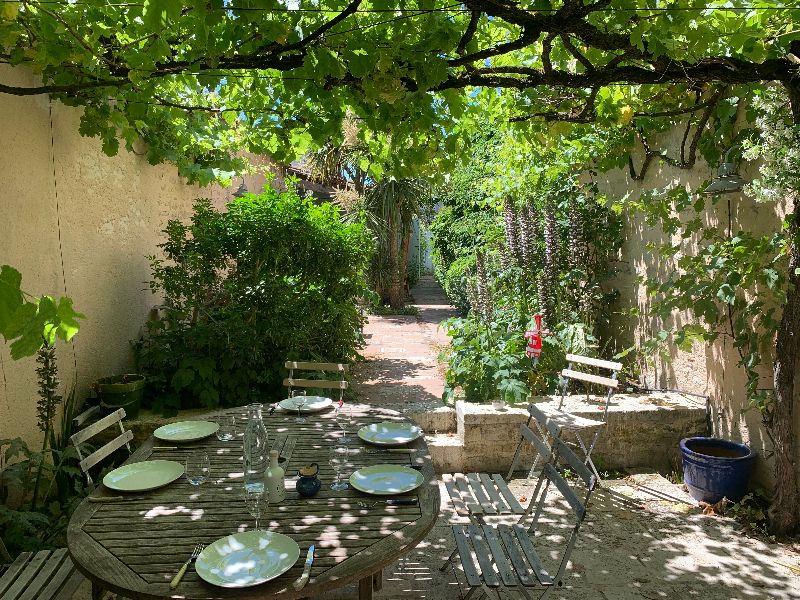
x,y
77,222
709,369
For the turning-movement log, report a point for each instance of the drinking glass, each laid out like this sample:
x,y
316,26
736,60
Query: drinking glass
x,y
227,427
299,402
198,467
338,460
344,415
257,502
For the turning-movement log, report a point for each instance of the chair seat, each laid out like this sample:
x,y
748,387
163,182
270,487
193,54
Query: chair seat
x,y
46,575
505,555
481,494
565,420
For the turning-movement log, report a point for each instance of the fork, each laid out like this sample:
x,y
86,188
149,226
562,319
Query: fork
x,y
177,579
388,502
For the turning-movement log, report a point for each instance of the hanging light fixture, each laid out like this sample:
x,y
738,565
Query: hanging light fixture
x,y
241,191
727,179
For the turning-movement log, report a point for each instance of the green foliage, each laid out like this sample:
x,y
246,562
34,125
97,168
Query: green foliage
x,y
40,490
273,278
751,513
201,82
484,361
28,322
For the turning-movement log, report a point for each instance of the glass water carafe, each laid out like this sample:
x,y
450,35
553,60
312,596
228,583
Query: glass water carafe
x,y
256,449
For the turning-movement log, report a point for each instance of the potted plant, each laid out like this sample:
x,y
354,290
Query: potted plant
x,y
714,468
121,391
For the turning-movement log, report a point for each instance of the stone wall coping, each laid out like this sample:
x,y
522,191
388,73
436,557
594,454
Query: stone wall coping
x,y
578,404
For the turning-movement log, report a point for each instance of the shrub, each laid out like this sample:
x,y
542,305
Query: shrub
x,y
274,277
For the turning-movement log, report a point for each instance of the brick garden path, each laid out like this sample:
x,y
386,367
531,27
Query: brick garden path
x,y
401,364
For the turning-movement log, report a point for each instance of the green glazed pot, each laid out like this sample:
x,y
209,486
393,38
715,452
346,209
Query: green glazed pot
x,y
122,391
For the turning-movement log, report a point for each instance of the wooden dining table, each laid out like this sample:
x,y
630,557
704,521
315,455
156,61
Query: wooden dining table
x,y
133,544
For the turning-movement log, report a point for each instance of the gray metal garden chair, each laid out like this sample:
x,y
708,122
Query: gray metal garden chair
x,y
505,555
483,494
555,421
123,439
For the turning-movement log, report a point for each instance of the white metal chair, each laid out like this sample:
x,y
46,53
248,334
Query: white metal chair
x,y
505,555
555,421
123,439
329,384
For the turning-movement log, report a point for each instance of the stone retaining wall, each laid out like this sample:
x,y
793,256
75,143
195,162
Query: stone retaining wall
x,y
643,431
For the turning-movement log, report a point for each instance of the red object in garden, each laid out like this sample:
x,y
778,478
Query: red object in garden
x,y
534,336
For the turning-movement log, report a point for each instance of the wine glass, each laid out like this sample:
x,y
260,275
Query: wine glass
x,y
227,427
338,460
198,467
299,402
344,415
256,499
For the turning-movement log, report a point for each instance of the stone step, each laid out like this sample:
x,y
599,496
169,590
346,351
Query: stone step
x,y
447,452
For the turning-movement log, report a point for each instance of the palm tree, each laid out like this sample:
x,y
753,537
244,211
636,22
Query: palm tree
x,y
388,206
395,202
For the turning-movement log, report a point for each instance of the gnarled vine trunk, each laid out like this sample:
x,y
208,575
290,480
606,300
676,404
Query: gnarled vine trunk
x,y
784,512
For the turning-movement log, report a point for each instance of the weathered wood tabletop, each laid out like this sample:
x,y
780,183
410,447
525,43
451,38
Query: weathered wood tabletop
x,y
135,546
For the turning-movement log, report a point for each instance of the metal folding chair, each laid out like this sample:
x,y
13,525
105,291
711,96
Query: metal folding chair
x,y
327,384
478,495
554,421
123,439
505,555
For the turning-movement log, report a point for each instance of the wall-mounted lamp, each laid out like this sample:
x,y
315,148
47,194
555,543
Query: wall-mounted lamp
x,y
241,191
727,179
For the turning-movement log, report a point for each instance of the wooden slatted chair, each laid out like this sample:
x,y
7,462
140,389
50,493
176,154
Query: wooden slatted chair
x,y
481,494
325,384
555,421
123,439
45,575
505,555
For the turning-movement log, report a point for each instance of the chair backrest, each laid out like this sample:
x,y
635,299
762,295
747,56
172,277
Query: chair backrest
x,y
123,439
329,384
527,435
577,369
585,479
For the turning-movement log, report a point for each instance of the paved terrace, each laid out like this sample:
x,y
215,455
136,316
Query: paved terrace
x,y
643,537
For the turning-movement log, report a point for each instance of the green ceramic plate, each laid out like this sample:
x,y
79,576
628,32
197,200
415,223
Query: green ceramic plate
x,y
312,403
388,433
383,480
143,476
246,559
186,431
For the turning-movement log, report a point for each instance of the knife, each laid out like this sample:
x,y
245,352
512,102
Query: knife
x,y
114,498
300,583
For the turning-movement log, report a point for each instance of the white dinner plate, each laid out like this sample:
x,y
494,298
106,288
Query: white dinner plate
x,y
186,431
143,476
312,403
246,559
383,480
389,433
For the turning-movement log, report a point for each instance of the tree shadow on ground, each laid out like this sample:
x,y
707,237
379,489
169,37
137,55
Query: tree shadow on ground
x,y
657,547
